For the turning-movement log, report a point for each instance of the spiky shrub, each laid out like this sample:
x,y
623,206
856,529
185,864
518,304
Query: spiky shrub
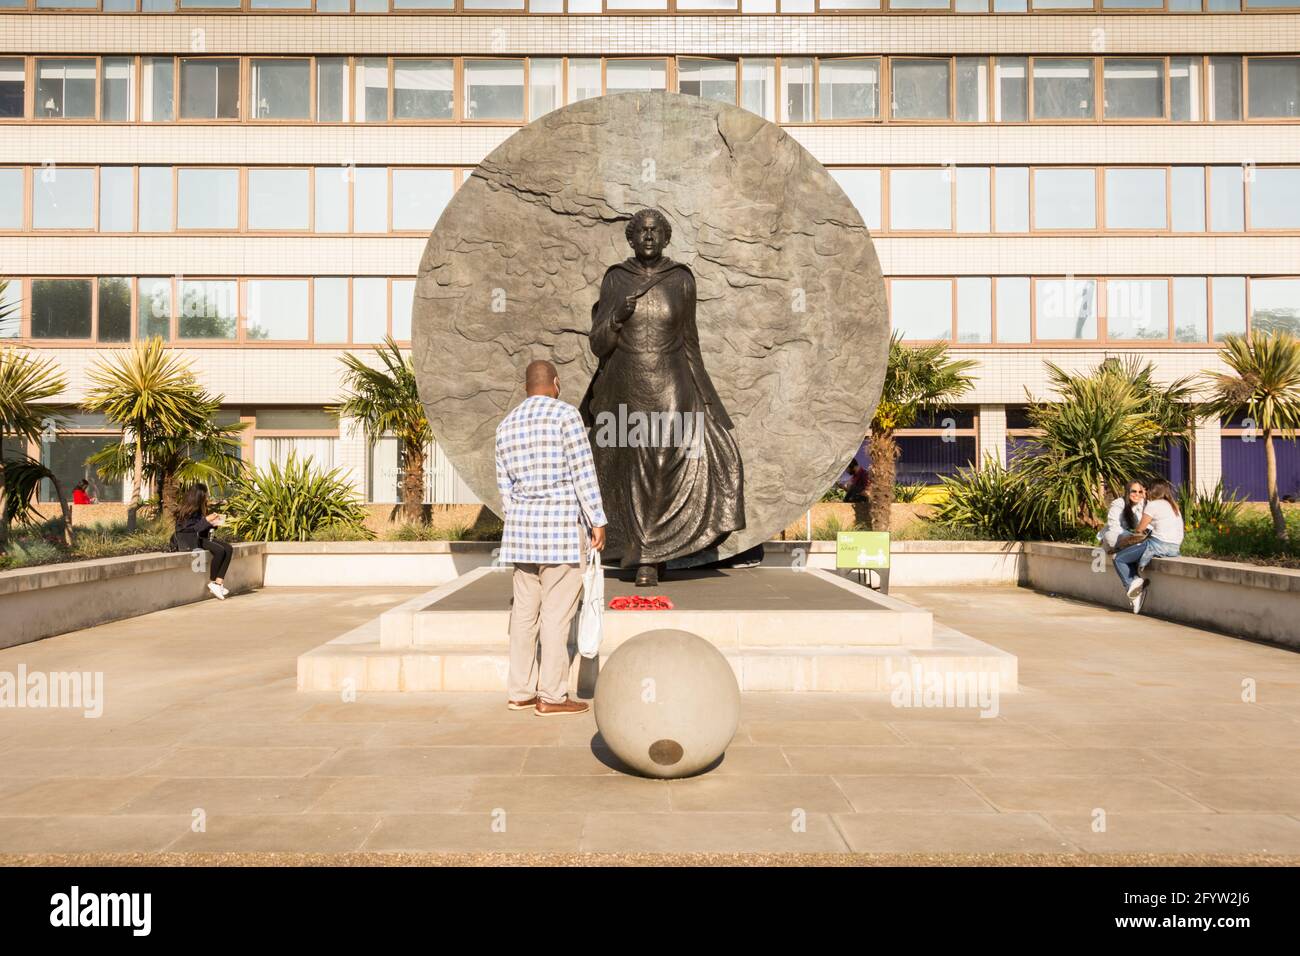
x,y
909,493
26,383
1208,509
995,502
293,502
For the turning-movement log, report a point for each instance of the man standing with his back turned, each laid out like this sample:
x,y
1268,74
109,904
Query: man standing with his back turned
x,y
551,499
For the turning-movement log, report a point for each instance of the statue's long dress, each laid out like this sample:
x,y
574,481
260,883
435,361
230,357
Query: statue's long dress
x,y
661,502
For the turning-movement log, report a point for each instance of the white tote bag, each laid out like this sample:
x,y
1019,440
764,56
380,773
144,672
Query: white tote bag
x,y
593,603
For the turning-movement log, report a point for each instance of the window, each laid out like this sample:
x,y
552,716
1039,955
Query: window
x,y
921,309
796,90
973,199
278,199
422,89
1137,309
208,198
1063,89
1012,309
1225,88
419,197
153,308
11,199
710,79
862,186
118,90
758,87
372,90
369,310
974,310
158,89
1191,320
116,195
1065,309
330,309
277,309
403,302
1185,88
1275,198
1011,187
1135,199
849,89
1011,98
209,89
494,89
1229,304
63,198
281,88
1274,86
66,457
13,85
331,89
332,198
1275,305
209,308
545,86
11,310
972,89
921,89
1133,88
1065,199
60,308
1187,191
584,78
370,199
65,89
114,309
155,199
1227,208
920,199
627,76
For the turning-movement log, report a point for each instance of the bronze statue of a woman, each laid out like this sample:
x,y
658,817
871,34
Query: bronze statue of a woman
x,y
669,468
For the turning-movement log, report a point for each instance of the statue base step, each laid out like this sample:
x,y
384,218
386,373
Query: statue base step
x,y
781,629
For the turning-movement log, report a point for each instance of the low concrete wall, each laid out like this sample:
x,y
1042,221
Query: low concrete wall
x,y
1244,600
432,563
53,599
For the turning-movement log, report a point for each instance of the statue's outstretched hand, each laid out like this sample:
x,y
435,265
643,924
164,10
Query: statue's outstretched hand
x,y
626,309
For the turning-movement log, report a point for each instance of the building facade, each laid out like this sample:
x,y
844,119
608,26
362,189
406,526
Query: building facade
x,y
254,180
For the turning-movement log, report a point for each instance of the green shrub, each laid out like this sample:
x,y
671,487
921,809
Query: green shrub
x,y
833,493
340,532
411,531
909,493
293,502
1211,509
24,552
1249,536
997,503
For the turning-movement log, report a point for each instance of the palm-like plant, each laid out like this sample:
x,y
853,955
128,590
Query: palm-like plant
x,y
201,450
918,380
1264,384
386,400
1097,433
148,392
293,502
25,384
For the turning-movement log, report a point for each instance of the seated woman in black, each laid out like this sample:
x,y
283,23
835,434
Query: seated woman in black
x,y
192,520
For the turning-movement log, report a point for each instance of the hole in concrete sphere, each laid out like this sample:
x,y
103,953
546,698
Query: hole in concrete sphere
x,y
666,752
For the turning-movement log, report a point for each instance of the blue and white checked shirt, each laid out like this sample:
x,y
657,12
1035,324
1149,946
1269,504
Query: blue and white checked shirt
x,y
547,481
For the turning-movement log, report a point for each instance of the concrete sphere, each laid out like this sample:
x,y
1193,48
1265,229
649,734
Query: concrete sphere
x,y
667,703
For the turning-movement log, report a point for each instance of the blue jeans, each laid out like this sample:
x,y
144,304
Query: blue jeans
x,y
1132,560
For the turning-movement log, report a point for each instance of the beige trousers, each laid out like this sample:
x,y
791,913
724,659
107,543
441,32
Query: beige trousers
x,y
545,599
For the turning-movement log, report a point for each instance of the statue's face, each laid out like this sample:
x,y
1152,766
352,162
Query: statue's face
x,y
648,239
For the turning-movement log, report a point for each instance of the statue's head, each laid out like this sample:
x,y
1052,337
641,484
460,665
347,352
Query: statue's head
x,y
648,231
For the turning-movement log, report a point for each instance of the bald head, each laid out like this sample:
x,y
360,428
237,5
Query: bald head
x,y
542,379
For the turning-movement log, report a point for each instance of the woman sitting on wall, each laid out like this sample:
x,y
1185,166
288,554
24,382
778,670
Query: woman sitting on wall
x,y
1161,526
194,530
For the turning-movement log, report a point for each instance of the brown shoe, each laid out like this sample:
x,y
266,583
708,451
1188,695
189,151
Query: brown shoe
x,y
568,706
528,704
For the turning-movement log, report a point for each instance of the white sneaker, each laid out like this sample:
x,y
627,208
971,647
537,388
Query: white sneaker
x,y
1137,602
217,590
1136,587
225,590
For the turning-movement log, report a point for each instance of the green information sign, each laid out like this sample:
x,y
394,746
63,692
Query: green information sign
x,y
862,549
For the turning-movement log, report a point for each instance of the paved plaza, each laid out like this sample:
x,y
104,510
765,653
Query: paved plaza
x,y
1129,736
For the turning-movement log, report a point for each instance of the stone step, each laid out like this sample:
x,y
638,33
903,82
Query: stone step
x,y
358,661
